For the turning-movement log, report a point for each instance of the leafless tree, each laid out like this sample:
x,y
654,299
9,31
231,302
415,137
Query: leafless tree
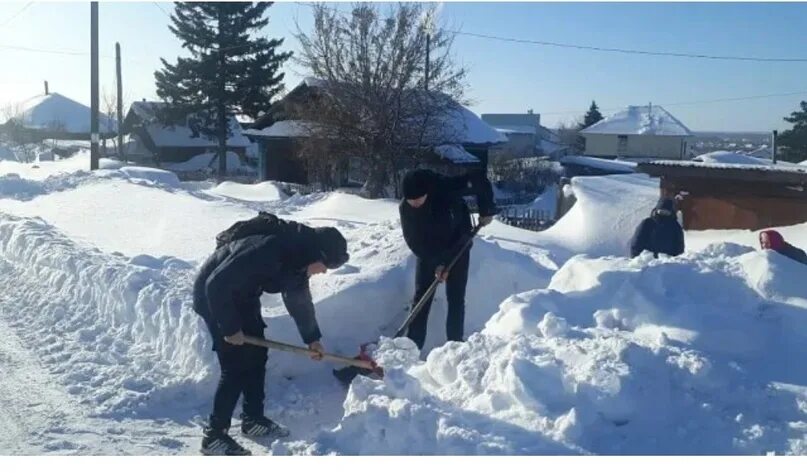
x,y
378,103
110,110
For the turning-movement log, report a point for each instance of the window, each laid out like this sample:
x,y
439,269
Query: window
x,y
622,145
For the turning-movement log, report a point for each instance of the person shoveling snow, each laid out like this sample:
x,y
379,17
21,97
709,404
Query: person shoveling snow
x,y
264,254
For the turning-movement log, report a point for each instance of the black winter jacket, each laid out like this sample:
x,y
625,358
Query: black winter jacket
x,y
436,231
659,234
229,285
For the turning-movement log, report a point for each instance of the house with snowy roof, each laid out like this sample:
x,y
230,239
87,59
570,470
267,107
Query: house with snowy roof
x,y
526,137
54,116
637,132
150,138
280,138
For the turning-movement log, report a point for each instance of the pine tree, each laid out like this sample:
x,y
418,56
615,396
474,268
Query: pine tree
x,y
592,116
795,141
228,72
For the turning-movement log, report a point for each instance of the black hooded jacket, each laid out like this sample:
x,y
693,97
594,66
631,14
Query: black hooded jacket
x,y
435,231
659,233
227,290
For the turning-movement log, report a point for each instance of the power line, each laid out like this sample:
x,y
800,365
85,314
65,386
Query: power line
x,y
630,51
19,12
161,9
598,48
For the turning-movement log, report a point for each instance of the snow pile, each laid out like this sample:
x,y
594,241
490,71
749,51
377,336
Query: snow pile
x,y
261,192
606,214
640,120
119,333
610,165
157,176
727,157
676,356
208,162
547,202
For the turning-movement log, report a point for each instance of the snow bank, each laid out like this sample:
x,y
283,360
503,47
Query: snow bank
x,y
606,214
688,355
120,333
261,192
727,157
157,176
208,162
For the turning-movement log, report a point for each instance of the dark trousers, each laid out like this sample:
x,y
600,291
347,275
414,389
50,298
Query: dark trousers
x,y
455,293
243,371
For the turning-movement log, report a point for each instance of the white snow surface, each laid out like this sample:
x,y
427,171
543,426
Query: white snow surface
x,y
728,157
640,120
456,154
612,165
57,112
571,347
207,162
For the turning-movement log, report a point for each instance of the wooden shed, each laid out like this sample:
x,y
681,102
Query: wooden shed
x,y
733,196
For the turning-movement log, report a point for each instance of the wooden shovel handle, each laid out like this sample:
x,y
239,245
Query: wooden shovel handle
x,y
307,351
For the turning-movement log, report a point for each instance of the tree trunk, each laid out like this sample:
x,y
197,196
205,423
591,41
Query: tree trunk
x,y
221,109
376,180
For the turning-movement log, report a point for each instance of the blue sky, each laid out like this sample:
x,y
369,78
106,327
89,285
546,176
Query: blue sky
x,y
504,77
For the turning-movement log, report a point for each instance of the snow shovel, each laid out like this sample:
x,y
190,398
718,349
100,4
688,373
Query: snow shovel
x,y
366,365
346,375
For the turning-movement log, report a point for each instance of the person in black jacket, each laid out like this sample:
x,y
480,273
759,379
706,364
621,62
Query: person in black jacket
x,y
227,295
659,233
436,223
773,240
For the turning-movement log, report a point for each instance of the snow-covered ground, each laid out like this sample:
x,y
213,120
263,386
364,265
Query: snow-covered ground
x,y
572,348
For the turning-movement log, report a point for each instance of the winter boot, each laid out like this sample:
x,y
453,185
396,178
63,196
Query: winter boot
x,y
217,442
262,427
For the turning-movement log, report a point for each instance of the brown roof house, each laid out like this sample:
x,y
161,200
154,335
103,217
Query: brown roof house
x,y
280,139
714,195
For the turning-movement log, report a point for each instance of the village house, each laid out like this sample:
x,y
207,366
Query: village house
x,y
638,132
280,139
54,116
526,137
151,140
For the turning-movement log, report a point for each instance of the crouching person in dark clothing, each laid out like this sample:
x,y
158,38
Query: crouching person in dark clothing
x,y
659,233
436,223
773,240
227,295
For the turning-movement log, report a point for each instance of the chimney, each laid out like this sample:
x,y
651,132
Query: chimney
x,y
46,88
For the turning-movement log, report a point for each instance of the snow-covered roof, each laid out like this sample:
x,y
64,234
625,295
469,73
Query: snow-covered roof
x,y
284,128
639,120
179,135
466,127
728,157
456,154
775,173
599,163
550,146
507,129
58,113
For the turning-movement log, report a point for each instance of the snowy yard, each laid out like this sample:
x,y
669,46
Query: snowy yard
x,y
572,348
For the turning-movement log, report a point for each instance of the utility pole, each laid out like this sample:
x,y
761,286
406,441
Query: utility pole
x,y
773,145
120,101
94,138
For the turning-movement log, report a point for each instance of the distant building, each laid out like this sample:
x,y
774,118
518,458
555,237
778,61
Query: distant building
x,y
647,131
526,137
54,116
150,138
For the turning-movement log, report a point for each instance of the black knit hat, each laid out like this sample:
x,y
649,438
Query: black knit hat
x,y
333,247
416,184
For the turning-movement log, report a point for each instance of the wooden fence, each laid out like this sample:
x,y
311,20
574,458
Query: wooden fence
x,y
528,219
